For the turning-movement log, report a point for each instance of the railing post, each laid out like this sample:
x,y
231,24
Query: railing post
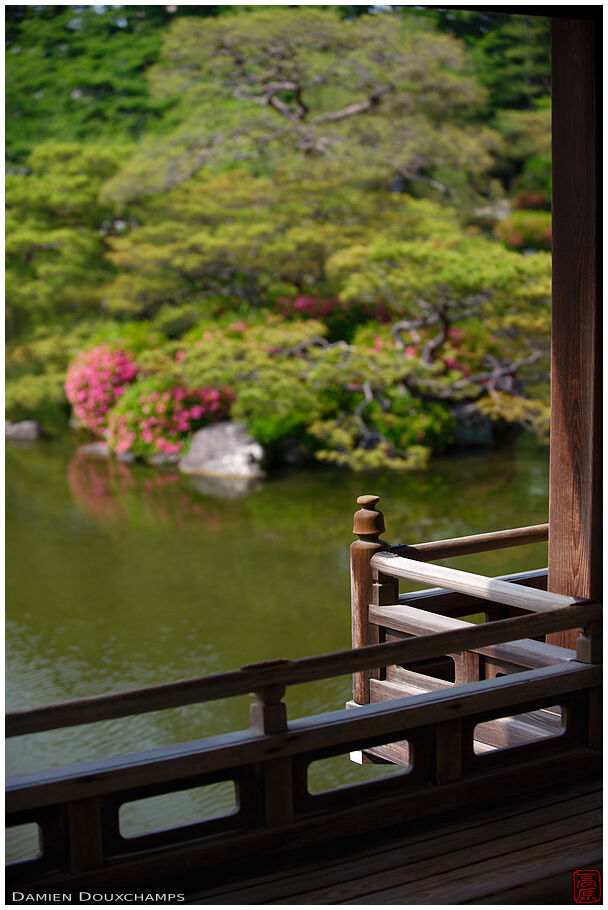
x,y
368,525
448,751
589,651
385,591
268,714
589,644
85,846
468,667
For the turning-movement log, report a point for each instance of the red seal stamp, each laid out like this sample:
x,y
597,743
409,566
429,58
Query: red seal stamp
x,y
587,886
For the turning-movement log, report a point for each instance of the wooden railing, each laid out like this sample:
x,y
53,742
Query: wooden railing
x,y
474,543
376,567
381,614
77,808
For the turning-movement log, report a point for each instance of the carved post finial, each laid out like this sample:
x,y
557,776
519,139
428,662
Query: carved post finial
x,y
368,525
368,521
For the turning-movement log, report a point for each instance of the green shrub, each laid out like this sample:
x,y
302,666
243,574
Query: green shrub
x,y
525,230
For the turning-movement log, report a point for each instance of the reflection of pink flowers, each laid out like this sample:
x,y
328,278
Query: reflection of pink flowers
x,y
111,492
95,380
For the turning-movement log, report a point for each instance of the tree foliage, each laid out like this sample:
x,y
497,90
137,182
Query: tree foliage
x,y
279,201
55,230
510,52
78,72
370,95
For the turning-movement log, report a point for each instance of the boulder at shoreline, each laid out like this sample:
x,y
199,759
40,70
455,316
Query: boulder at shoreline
x,y
223,450
98,449
23,431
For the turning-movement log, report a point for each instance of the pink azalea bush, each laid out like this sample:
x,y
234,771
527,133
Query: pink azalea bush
x,y
331,308
95,381
525,230
150,420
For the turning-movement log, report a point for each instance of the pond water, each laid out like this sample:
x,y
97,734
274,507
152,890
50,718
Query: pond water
x,y
120,576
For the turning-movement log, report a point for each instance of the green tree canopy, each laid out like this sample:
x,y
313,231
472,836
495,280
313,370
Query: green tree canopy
x,y
279,200
75,72
374,97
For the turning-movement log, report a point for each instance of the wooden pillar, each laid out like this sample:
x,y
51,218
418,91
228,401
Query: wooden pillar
x,y
368,525
575,482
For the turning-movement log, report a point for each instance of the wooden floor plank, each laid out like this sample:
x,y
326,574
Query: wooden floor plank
x,y
417,865
379,859
497,874
328,868
556,890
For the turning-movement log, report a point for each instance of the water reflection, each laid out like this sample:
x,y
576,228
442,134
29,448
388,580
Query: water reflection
x,y
110,490
120,576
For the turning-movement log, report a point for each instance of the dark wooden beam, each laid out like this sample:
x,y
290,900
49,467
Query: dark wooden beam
x,y
575,472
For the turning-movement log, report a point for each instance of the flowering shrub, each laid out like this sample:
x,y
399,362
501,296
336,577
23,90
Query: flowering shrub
x,y
340,316
531,200
310,307
525,230
151,421
95,381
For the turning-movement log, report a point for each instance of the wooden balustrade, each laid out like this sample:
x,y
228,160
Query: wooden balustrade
x,y
77,808
524,653
391,616
480,586
291,672
269,765
376,566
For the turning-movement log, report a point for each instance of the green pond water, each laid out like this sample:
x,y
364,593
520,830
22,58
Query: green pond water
x,y
120,576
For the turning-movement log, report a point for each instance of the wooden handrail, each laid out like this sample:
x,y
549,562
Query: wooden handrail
x,y
469,583
440,598
304,735
368,585
288,672
525,652
474,543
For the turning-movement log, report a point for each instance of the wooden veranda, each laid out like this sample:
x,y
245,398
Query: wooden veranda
x,y
498,800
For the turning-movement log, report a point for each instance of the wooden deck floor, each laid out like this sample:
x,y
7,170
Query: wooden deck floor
x,y
514,852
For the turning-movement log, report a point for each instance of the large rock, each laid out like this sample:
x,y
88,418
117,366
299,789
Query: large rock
x,y
23,431
223,450
99,449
